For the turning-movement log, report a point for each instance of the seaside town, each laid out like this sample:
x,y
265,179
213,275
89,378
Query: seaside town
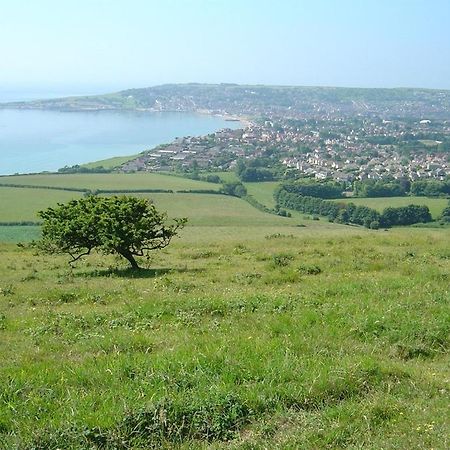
x,y
341,149
341,134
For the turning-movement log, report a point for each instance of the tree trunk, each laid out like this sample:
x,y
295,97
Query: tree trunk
x,y
130,258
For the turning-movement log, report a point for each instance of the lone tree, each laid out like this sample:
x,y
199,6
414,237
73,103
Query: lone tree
x,y
128,226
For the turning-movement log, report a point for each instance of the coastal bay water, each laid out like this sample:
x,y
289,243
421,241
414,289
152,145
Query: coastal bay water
x,y
42,140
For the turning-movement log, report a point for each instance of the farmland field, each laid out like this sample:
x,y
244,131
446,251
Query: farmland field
x,y
436,205
263,192
109,181
217,210
21,204
18,204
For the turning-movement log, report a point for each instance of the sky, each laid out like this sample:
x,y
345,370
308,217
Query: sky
x,y
105,45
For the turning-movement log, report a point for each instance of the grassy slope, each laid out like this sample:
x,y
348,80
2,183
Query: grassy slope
x,y
239,333
110,163
215,210
247,328
263,192
110,181
436,205
17,204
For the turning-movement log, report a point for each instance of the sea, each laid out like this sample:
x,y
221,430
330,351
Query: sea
x,y
34,141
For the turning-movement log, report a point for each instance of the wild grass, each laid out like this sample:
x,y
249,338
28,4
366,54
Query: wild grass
x,y
234,337
20,204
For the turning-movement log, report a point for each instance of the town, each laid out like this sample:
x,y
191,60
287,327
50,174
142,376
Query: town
x,y
340,149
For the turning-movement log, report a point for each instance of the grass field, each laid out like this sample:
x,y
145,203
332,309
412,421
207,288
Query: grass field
x,y
109,163
109,181
21,204
216,210
436,205
18,204
19,233
429,143
228,176
263,192
251,331
235,338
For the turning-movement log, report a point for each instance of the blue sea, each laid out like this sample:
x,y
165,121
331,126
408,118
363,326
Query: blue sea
x,y
36,140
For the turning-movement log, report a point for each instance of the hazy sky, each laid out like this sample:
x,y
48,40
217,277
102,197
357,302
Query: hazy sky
x,y
112,44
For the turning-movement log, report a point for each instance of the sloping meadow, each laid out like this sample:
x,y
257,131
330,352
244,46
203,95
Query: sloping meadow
x,y
275,338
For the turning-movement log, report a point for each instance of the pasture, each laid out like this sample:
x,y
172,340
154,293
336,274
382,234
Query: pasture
x,y
109,181
249,331
263,192
22,204
234,337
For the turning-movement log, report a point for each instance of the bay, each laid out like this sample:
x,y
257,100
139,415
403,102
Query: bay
x,y
40,140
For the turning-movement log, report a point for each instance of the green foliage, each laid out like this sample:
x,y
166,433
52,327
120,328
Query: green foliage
x,y
256,169
405,215
83,169
213,178
253,174
446,212
168,420
315,189
351,213
430,188
381,140
127,226
312,269
436,205
281,259
235,188
381,189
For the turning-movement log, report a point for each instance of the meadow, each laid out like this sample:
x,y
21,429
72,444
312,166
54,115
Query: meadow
x,y
271,337
250,331
22,204
263,192
108,181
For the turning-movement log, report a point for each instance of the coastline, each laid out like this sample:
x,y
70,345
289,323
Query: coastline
x,y
136,138
245,121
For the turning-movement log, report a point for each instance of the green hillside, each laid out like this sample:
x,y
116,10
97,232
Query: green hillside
x,y
249,331
232,339
22,204
108,181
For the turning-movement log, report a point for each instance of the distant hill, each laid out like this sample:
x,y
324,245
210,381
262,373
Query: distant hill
x,y
262,101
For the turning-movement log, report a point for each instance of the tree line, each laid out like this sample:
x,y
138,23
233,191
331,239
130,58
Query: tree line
x,y
401,188
349,213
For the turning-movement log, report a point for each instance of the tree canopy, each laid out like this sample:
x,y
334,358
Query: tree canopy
x,y
125,225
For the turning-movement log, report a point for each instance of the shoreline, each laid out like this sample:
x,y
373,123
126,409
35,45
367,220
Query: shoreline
x,y
244,122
